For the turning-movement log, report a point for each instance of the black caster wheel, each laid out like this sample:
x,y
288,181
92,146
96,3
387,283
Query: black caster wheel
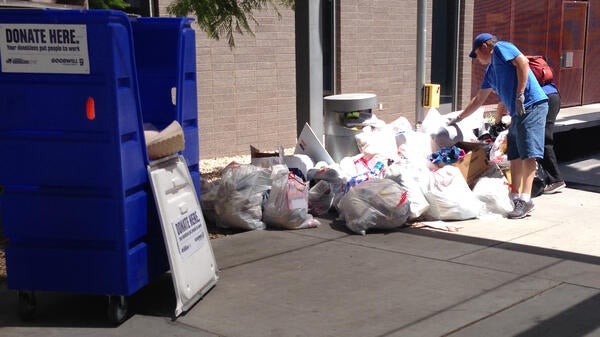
x,y
27,305
117,311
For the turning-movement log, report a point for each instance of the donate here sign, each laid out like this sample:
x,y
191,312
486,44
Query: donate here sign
x,y
44,48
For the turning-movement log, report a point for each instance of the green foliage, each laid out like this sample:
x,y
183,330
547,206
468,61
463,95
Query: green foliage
x,y
224,17
108,4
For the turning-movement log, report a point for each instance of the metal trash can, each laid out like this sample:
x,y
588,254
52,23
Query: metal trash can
x,y
344,118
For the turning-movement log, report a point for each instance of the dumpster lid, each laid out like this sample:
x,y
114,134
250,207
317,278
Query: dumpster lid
x,y
192,261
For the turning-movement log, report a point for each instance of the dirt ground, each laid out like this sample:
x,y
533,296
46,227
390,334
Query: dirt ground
x,y
3,242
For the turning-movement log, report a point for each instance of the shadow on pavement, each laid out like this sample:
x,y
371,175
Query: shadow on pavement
x,y
87,311
559,254
579,320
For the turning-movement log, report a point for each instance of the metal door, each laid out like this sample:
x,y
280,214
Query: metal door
x,y
591,67
572,54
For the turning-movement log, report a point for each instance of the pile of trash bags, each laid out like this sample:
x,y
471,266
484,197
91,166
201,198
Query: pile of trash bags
x,y
400,176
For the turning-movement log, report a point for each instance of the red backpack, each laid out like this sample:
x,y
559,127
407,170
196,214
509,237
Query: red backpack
x,y
541,69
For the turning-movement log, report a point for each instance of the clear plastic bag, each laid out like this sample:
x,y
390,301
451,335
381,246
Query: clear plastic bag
x,y
331,174
287,205
380,203
240,196
320,198
209,192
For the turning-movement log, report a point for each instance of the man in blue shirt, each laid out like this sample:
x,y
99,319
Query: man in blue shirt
x,y
508,75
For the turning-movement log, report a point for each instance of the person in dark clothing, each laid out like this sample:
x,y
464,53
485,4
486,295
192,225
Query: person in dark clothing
x,y
554,180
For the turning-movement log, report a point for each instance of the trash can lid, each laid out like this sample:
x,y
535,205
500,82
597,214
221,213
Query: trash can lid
x,y
350,96
350,102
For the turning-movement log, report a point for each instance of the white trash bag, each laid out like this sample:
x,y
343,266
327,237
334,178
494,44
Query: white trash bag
x,y
415,147
414,179
378,142
493,190
450,197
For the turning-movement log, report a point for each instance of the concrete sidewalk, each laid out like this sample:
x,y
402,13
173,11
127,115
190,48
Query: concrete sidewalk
x,y
578,117
539,276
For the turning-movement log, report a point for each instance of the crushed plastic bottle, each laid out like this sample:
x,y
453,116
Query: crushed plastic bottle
x,y
376,171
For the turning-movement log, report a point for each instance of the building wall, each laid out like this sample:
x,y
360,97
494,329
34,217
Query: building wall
x,y
466,63
246,95
377,53
556,29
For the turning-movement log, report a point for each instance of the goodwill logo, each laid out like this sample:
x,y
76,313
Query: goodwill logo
x,y
44,48
189,233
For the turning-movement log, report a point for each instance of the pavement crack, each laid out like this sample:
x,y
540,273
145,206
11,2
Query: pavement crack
x,y
450,307
501,310
278,254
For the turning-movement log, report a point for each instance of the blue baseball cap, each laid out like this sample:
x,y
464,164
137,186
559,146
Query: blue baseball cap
x,y
479,40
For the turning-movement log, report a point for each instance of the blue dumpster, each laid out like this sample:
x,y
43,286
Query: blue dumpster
x,y
76,87
165,53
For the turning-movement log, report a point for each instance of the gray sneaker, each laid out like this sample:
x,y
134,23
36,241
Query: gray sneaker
x,y
522,209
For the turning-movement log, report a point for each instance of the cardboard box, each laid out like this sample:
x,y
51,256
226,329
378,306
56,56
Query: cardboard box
x,y
265,159
475,162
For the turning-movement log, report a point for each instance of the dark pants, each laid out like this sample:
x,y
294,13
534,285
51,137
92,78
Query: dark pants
x,y
549,161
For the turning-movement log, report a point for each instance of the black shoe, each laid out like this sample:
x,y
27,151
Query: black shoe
x,y
522,209
554,187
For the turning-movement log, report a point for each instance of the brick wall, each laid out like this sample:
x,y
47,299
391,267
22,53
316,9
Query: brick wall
x,y
247,95
465,62
378,53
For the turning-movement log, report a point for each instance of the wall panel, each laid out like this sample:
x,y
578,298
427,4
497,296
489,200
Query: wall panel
x,y
591,85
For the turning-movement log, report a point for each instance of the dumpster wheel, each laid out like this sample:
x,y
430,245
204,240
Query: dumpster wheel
x,y
117,310
27,305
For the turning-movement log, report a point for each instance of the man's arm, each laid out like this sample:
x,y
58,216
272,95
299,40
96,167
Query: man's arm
x,y
522,65
522,68
500,111
474,104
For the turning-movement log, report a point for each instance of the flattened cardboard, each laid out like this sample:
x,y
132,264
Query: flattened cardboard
x,y
475,162
265,159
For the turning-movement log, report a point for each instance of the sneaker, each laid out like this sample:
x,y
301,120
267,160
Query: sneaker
x,y
554,187
521,210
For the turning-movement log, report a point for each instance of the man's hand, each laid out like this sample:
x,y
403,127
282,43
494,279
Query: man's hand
x,y
520,104
453,121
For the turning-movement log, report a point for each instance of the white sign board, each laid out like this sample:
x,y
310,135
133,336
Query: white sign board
x,y
44,48
192,261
